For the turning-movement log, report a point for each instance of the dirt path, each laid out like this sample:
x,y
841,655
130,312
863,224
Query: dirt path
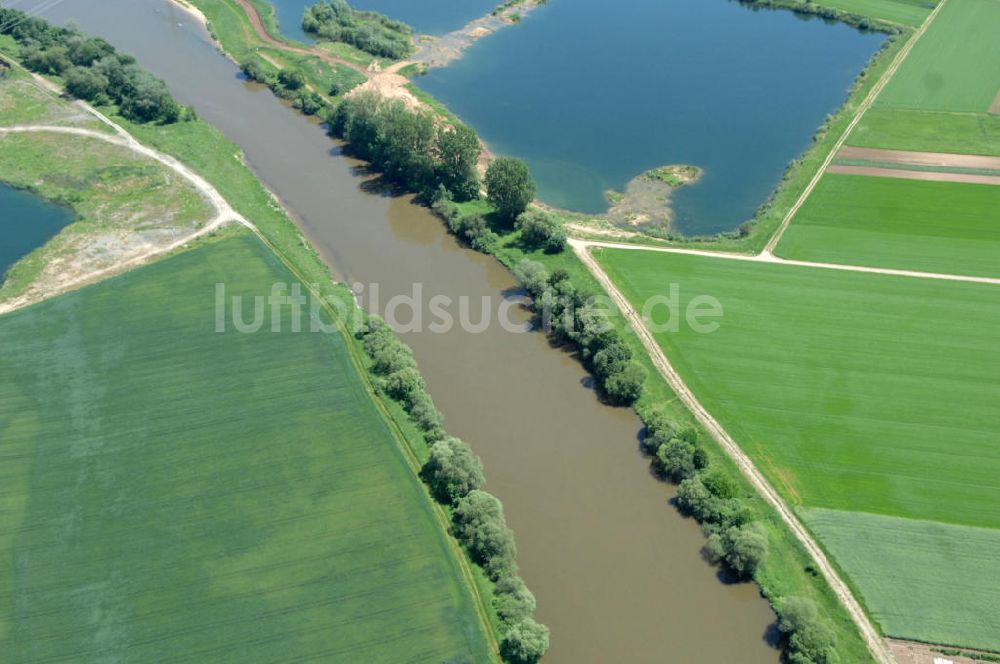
x,y
995,106
910,158
862,109
875,643
224,213
776,260
906,174
387,82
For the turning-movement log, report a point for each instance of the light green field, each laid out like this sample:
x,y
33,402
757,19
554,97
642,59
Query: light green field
x,y
952,590
851,391
176,494
907,12
953,66
928,131
908,224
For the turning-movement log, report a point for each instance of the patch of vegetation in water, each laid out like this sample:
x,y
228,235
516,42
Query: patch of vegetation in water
x,y
337,21
645,203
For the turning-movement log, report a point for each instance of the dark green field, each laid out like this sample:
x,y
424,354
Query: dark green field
x,y
174,494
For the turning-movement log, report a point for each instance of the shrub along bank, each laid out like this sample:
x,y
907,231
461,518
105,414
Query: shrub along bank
x,y
454,475
91,69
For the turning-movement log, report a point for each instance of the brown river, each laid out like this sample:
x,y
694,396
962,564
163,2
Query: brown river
x,y
618,573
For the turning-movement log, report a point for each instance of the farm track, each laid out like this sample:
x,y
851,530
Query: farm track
x,y
224,213
862,109
906,174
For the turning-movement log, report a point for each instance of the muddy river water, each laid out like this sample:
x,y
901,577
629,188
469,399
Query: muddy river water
x,y
618,573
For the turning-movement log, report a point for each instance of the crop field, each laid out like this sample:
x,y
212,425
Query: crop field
x,y
952,67
172,493
852,392
945,569
907,12
928,131
909,224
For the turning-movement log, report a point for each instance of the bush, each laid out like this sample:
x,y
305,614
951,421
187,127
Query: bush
x,y
371,32
512,600
740,548
525,642
677,459
86,83
481,527
453,470
540,230
809,640
625,387
509,187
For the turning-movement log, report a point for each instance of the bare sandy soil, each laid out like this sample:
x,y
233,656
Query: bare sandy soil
x,y
910,652
940,159
440,51
933,176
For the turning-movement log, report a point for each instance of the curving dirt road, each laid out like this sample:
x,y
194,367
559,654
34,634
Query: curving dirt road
x,y
224,213
875,643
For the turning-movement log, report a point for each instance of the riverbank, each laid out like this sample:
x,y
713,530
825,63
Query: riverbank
x,y
215,158
778,581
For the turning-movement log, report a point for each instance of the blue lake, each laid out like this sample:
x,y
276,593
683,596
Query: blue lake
x,y
591,95
26,223
430,17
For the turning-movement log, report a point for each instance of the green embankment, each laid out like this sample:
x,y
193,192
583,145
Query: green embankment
x,y
225,493
787,570
851,391
943,227
944,572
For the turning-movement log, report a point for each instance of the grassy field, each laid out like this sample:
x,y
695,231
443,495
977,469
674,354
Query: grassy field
x,y
949,573
928,131
177,494
124,203
889,381
851,391
906,12
909,224
952,68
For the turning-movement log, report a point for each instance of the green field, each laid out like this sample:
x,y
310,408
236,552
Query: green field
x,y
850,391
948,573
172,493
953,66
907,12
928,131
908,224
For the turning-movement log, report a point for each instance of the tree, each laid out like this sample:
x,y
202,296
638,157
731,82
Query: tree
x,y
453,470
512,600
741,548
625,387
540,230
509,187
458,153
403,145
677,460
525,642
612,359
86,83
810,640
481,527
